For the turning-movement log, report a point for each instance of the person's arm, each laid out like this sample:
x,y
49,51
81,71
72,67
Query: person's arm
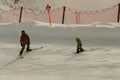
x,y
28,38
21,41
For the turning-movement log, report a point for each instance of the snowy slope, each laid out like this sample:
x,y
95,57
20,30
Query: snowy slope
x,y
56,61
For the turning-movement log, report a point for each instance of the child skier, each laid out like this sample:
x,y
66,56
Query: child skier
x,y
24,40
79,45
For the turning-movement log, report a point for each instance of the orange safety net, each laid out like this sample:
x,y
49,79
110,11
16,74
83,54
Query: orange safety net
x,y
11,16
108,15
71,16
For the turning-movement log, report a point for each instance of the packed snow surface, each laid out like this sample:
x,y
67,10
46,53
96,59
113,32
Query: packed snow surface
x,y
57,60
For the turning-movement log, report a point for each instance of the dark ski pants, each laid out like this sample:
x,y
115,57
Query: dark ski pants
x,y
23,47
79,50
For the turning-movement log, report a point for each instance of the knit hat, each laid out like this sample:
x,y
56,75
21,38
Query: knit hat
x,y
77,39
22,31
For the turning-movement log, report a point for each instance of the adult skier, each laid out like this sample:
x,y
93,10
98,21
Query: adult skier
x,y
79,45
24,40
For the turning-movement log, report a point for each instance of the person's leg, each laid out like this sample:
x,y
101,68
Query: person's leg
x,y
28,47
78,50
81,49
22,49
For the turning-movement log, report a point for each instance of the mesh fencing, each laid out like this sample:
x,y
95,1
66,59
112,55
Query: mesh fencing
x,y
71,16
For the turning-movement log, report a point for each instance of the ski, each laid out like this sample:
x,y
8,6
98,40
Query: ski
x,y
22,56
